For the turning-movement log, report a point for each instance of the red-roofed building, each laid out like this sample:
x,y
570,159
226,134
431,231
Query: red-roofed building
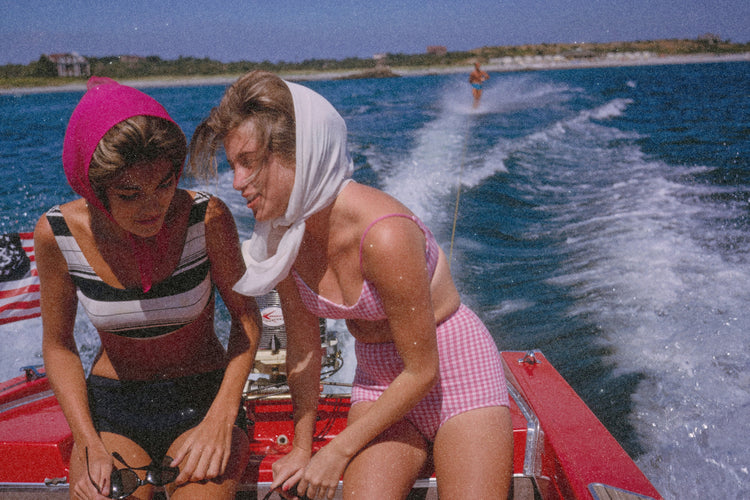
x,y
72,64
438,50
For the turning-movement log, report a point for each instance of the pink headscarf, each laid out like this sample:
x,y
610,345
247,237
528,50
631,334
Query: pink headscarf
x,y
105,104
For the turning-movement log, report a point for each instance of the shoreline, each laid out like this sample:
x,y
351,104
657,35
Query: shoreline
x,y
506,66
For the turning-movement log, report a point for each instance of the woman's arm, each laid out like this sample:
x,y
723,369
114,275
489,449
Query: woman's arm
x,y
61,359
208,448
303,363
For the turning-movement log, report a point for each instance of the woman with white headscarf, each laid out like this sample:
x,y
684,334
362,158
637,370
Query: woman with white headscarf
x,y
429,378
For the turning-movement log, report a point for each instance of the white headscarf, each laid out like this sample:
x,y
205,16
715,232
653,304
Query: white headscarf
x,y
323,168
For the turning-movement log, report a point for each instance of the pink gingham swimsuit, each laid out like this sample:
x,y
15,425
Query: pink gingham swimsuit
x,y
471,373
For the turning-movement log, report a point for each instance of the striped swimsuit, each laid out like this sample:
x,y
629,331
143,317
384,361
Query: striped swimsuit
x,y
168,306
471,373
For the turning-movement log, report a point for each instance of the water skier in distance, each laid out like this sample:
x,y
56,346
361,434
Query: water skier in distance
x,y
476,78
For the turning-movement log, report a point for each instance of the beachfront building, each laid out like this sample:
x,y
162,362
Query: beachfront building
x,y
131,61
72,64
629,56
380,60
529,61
437,50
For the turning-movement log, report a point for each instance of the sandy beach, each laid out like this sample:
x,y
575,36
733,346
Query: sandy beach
x,y
505,65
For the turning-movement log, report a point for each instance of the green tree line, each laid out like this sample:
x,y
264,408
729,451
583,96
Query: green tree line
x,y
155,66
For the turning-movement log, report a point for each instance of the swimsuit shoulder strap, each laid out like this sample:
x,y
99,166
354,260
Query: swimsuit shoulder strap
x,y
367,230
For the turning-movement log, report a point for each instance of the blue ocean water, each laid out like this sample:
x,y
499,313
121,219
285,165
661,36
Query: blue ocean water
x,y
603,217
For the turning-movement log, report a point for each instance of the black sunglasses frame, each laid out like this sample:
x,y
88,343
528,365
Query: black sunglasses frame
x,y
292,491
155,475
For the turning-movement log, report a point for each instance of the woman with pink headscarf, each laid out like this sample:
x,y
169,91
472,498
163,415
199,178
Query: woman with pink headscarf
x,y
143,258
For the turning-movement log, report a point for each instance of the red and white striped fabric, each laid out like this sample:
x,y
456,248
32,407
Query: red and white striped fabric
x,y
19,280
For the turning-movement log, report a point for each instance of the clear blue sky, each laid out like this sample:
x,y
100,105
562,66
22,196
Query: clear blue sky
x,y
294,30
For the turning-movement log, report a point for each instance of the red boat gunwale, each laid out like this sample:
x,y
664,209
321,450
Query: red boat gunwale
x,y
572,455
562,451
35,440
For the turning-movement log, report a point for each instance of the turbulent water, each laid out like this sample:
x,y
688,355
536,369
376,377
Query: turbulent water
x,y
602,216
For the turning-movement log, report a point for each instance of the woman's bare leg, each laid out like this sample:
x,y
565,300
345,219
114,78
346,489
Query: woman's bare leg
x,y
223,487
130,451
473,454
389,465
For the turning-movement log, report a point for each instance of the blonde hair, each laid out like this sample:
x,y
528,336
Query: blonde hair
x,y
259,96
136,140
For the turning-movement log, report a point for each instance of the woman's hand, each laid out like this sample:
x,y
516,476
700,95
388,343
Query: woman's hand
x,y
321,477
288,470
94,484
204,452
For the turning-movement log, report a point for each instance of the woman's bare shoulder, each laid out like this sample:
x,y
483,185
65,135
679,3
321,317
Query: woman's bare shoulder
x,y
365,203
76,207
75,213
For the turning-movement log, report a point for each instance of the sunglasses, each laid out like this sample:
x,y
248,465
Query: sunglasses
x,y
123,482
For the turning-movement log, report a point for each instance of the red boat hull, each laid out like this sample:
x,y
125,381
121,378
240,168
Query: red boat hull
x,y
561,450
